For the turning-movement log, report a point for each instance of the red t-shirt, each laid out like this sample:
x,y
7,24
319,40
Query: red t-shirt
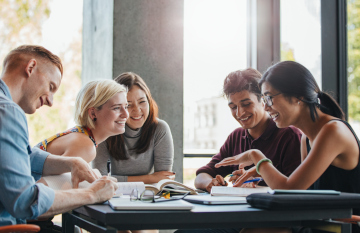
x,y
281,146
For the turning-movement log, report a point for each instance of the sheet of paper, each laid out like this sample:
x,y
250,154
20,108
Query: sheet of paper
x,y
127,187
63,181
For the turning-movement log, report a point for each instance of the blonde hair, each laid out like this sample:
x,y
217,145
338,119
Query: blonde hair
x,y
94,95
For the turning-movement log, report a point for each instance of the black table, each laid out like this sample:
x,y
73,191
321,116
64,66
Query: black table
x,y
101,218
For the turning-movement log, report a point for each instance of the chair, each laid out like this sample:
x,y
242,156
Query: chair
x,y
355,219
20,228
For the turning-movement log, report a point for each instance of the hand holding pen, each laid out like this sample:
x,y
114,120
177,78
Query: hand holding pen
x,y
239,177
258,179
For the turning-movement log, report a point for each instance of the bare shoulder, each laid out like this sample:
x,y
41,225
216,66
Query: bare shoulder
x,y
337,134
336,128
341,139
79,145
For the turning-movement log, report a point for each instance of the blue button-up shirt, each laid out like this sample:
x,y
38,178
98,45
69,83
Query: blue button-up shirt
x,y
20,197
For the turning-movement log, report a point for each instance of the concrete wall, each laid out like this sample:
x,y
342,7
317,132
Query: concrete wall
x,y
147,38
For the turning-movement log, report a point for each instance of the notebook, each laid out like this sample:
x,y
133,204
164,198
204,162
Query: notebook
x,y
215,200
237,191
124,203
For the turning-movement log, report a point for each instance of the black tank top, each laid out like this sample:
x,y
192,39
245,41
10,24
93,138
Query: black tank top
x,y
335,178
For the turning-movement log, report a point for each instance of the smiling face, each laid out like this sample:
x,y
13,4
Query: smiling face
x,y
41,85
138,108
112,116
247,109
284,111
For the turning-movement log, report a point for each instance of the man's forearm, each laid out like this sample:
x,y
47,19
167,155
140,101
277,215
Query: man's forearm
x,y
56,164
202,180
69,199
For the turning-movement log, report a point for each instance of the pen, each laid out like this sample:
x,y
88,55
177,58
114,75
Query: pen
x,y
108,165
253,180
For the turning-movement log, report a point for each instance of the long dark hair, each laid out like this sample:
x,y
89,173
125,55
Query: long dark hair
x,y
116,144
294,80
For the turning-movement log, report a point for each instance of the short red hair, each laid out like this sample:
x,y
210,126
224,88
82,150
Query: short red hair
x,y
11,60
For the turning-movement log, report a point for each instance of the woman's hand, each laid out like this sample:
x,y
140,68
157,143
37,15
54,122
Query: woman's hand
x,y
243,159
157,176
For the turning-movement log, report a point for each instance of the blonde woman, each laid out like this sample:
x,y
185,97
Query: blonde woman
x,y
101,112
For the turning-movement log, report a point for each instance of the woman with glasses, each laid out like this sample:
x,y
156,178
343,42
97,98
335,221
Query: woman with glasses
x,y
329,147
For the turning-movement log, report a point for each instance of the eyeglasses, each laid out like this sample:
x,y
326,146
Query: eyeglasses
x,y
267,99
149,196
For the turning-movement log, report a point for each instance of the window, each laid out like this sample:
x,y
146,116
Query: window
x,y
214,45
300,33
353,33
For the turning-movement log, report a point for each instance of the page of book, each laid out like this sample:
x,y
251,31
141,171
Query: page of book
x,y
127,187
169,185
237,191
63,181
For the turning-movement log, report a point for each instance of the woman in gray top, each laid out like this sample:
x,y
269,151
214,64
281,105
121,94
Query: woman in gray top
x,y
145,152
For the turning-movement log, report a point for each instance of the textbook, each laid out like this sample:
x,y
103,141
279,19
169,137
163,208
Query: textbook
x,y
237,191
170,185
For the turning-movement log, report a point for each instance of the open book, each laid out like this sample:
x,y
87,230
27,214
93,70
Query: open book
x,y
237,191
170,185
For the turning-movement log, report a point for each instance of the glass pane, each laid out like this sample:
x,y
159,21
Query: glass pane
x,y
214,46
300,33
353,8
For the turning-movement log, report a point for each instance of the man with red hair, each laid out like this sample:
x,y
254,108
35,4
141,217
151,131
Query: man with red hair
x,y
31,75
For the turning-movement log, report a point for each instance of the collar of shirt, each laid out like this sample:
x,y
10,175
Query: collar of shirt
x,y
271,127
4,89
130,133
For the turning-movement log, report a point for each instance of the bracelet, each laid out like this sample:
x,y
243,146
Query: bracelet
x,y
258,164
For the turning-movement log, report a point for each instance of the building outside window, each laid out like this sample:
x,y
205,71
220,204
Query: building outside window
x,y
215,34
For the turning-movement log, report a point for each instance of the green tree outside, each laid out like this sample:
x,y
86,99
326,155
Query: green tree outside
x,y
21,23
353,7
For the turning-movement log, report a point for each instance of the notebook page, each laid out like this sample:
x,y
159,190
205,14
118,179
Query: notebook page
x,y
63,181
